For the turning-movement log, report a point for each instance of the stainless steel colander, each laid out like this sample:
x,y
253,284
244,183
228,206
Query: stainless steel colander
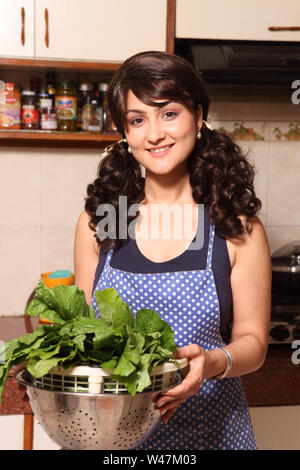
x,y
94,421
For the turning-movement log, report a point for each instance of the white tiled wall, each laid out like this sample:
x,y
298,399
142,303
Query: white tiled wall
x,y
42,194
273,142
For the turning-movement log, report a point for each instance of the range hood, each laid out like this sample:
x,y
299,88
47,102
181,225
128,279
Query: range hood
x,y
243,62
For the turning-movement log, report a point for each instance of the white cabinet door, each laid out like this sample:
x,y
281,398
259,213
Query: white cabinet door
x,y
100,30
17,39
237,19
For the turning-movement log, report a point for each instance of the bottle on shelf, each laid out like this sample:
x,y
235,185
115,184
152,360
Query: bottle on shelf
x,y
44,103
92,115
66,106
51,86
108,124
85,95
30,111
10,105
48,118
44,99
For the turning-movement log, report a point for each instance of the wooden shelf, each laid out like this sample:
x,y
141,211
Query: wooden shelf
x,y
40,138
56,139
69,65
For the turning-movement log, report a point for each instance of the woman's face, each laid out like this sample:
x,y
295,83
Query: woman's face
x,y
162,138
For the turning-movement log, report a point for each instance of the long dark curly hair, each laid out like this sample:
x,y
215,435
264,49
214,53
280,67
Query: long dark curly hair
x,y
221,177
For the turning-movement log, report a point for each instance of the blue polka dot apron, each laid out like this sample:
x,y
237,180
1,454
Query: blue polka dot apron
x,y
217,417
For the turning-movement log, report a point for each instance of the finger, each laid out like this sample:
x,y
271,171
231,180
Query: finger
x,y
190,351
165,400
171,406
156,396
168,415
188,386
174,392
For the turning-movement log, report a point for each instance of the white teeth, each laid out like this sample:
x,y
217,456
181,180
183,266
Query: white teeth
x,y
162,149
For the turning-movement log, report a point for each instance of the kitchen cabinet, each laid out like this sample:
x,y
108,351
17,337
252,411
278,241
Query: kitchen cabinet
x,y
238,20
17,28
98,29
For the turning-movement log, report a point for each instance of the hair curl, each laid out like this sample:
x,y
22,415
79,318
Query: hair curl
x,y
221,177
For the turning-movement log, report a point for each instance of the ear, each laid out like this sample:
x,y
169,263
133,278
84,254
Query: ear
x,y
199,117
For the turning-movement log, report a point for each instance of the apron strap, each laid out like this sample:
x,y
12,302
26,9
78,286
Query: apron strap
x,y
210,245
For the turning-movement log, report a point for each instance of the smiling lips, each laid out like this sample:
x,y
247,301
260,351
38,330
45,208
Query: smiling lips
x,y
160,151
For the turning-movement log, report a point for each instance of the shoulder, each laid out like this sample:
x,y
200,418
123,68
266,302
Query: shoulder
x,y
252,242
85,233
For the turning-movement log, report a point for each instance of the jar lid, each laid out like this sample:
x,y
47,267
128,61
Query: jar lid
x,y
86,87
28,93
102,86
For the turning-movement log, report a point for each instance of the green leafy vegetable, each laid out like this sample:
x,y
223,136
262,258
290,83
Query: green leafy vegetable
x,y
130,347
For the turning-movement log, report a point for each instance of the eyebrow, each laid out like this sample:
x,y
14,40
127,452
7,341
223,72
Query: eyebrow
x,y
139,111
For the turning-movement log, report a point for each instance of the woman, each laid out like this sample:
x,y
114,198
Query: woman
x,y
216,297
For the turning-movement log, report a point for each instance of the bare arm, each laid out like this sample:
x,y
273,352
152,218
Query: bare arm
x,y
86,256
251,291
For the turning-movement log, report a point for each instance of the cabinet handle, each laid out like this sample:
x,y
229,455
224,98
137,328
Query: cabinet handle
x,y
46,25
23,26
284,28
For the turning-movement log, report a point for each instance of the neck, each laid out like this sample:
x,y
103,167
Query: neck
x,y
171,188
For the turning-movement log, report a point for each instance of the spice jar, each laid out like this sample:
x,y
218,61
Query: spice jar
x,y
45,100
108,123
66,106
48,118
85,94
92,116
30,112
10,106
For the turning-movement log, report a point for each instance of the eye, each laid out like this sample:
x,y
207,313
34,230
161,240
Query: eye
x,y
170,114
136,122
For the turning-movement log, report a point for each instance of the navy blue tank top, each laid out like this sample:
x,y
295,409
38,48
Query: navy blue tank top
x,y
129,258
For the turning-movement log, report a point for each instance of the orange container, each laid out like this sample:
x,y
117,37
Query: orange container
x,y
53,282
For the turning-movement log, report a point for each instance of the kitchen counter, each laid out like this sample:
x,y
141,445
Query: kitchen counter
x,y
276,383
278,380
14,399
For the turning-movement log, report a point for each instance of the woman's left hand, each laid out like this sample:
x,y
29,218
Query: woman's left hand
x,y
167,402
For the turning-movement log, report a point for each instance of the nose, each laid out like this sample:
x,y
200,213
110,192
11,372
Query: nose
x,y
156,132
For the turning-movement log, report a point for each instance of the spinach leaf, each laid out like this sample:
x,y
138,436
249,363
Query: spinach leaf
x,y
60,304
130,346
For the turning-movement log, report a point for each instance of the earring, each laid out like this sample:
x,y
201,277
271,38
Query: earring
x,y
128,148
199,135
